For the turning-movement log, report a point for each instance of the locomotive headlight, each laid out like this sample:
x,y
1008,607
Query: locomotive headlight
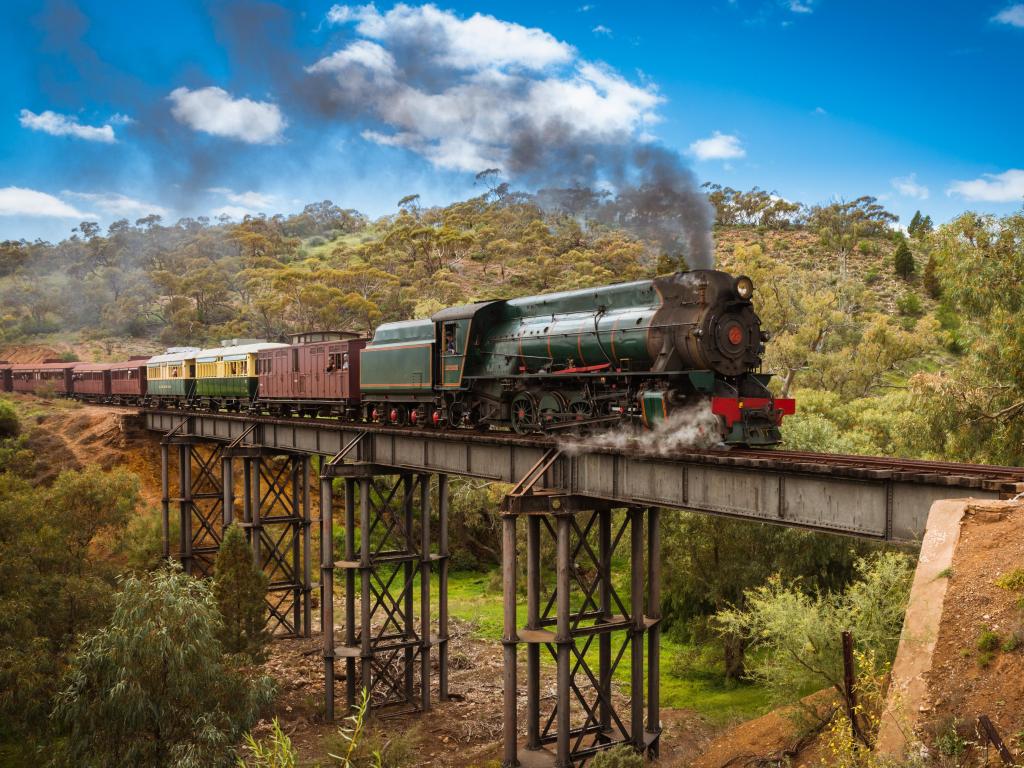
x,y
744,287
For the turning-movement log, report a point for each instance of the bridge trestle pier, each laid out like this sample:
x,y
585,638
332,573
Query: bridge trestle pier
x,y
275,515
199,498
577,617
388,561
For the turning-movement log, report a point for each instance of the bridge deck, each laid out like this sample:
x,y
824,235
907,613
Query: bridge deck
x,y
863,496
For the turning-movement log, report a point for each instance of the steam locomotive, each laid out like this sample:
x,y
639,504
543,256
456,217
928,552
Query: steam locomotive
x,y
634,352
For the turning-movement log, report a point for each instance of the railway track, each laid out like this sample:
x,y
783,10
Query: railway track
x,y
1006,480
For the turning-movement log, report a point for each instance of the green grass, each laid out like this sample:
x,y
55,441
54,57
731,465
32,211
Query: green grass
x,y
1012,581
476,598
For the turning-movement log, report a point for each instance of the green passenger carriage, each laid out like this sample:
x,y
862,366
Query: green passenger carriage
x,y
171,376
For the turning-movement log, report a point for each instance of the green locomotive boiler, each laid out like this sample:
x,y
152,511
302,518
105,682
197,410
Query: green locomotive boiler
x,y
634,352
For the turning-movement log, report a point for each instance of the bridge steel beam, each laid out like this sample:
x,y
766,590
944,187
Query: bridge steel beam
x,y
388,564
875,504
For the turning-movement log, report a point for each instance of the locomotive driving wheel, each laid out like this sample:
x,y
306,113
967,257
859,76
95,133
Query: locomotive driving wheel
x,y
524,413
551,408
580,409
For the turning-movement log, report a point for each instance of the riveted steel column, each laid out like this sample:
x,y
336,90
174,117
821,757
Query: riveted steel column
x,y
294,466
654,633
165,499
425,565
533,623
636,533
442,588
564,640
185,505
327,591
409,575
350,590
255,504
307,549
247,498
509,639
604,640
365,630
227,477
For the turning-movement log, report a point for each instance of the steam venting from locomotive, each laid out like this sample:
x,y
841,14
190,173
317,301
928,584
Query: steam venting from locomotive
x,y
396,93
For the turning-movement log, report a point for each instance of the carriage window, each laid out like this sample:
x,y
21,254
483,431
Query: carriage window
x,y
344,361
337,361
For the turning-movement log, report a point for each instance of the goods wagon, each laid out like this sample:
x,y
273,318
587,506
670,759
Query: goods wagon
x,y
49,378
170,377
226,376
318,373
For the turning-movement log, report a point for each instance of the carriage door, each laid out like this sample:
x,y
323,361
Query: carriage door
x,y
453,351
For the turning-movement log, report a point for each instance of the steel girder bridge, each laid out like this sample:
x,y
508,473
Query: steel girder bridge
x,y
563,494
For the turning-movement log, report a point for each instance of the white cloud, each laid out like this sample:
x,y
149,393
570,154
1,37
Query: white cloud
x,y
476,93
718,146
251,201
19,201
1012,15
364,53
601,29
212,110
118,205
820,111
474,43
1006,187
56,124
908,187
799,6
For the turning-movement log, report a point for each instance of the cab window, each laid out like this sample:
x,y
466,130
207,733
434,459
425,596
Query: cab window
x,y
450,347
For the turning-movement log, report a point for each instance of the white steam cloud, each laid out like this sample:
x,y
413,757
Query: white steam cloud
x,y
690,428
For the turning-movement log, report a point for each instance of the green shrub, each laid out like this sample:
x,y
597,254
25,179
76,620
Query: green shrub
x,y
903,260
950,743
1012,642
872,276
622,756
1012,581
987,640
276,751
143,543
240,589
153,687
10,426
909,305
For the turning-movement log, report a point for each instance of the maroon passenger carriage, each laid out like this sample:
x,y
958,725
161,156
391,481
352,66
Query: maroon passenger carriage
x,y
50,377
317,374
123,382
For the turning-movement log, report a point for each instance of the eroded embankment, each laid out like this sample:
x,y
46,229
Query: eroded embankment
x,y
961,654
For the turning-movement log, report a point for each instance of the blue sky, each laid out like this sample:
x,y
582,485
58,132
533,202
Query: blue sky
x,y
189,108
